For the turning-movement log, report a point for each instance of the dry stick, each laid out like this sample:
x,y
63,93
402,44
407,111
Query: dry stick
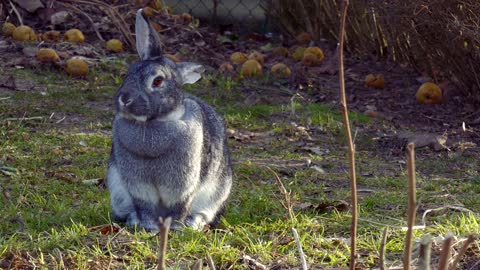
x,y
163,234
289,207
463,250
351,147
23,118
381,262
445,253
411,204
425,253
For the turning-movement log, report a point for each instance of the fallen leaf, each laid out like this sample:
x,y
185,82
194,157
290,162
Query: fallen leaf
x,y
13,83
62,175
316,150
425,139
59,17
340,206
200,43
30,5
94,181
304,205
253,263
109,229
285,240
318,168
30,51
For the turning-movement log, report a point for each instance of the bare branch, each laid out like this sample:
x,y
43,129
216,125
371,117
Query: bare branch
x,y
351,147
445,253
425,253
411,205
163,234
463,250
381,262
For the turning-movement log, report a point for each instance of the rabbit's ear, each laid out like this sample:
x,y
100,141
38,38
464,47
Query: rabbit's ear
x,y
147,39
190,72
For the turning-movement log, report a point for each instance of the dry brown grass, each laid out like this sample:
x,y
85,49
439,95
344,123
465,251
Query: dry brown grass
x,y
439,37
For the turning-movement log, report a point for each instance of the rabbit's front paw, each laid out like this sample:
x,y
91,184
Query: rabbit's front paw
x,y
195,221
148,225
132,220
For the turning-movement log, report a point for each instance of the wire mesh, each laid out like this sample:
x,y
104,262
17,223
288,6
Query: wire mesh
x,y
245,13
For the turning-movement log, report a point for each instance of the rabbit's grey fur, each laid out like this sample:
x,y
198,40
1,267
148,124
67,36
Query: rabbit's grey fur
x,y
169,153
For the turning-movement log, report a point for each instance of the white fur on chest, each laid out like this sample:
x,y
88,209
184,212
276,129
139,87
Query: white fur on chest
x,y
174,115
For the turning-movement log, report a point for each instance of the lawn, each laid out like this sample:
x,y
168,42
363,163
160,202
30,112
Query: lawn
x,y
55,140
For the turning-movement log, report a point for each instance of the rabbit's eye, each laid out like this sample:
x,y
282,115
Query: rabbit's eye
x,y
157,81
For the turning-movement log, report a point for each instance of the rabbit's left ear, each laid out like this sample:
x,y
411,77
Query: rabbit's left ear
x,y
147,39
190,72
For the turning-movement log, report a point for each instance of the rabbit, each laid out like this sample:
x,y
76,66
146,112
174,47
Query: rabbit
x,y
169,155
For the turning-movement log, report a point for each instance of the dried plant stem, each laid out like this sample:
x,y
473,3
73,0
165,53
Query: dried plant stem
x,y
163,234
351,147
382,265
24,118
425,253
16,13
469,241
288,205
411,204
445,254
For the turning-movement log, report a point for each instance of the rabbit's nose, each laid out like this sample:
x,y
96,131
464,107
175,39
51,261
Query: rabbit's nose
x,y
125,100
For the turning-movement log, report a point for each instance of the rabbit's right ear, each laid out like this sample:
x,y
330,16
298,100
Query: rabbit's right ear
x,y
147,39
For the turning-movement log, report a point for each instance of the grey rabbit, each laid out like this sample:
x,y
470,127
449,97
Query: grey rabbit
x,y
169,152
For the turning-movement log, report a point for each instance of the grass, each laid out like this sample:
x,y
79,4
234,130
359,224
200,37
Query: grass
x,y
53,213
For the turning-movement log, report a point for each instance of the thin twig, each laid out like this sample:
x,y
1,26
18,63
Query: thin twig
x,y
163,234
16,13
351,147
445,253
411,205
425,253
286,194
288,205
382,264
463,250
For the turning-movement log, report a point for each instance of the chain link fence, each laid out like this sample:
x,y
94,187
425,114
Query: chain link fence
x,y
244,14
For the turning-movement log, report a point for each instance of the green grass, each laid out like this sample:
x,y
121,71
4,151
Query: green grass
x,y
51,214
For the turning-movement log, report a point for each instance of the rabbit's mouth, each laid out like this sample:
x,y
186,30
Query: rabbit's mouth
x,y
133,109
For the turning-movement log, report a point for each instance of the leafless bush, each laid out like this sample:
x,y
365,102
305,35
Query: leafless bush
x,y
440,37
